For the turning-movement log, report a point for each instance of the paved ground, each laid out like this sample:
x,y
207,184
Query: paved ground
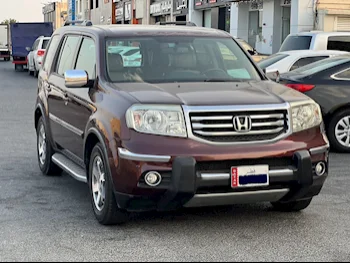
x,y
50,219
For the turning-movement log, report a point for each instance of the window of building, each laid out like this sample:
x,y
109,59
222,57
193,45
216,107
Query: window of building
x,y
97,3
91,4
87,58
67,54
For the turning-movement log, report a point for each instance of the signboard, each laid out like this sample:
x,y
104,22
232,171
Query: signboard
x,y
49,8
127,11
180,7
161,8
71,10
204,4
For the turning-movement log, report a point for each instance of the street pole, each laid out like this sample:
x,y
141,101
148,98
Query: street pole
x,y
172,11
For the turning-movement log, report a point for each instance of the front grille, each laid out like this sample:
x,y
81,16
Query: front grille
x,y
220,127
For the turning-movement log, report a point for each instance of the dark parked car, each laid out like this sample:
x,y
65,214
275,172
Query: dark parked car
x,y
178,129
328,83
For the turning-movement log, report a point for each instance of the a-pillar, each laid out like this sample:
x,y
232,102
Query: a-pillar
x,y
239,20
302,16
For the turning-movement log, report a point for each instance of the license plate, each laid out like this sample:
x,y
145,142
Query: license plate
x,y
250,176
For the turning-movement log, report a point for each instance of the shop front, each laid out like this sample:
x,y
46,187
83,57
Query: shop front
x,y
216,13
160,11
180,10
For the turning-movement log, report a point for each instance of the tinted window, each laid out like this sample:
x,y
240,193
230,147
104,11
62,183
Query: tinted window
x,y
50,54
87,57
67,55
321,65
265,63
175,59
296,43
131,52
344,75
45,43
341,43
306,61
35,45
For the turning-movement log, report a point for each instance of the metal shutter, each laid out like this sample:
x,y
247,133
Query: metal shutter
x,y
343,23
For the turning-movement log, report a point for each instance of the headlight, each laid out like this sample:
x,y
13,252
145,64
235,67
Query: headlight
x,y
306,116
157,119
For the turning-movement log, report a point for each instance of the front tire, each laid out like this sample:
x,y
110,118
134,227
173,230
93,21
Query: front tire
x,y
45,151
101,190
339,131
295,206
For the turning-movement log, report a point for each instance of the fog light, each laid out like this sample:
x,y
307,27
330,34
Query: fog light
x,y
153,179
320,168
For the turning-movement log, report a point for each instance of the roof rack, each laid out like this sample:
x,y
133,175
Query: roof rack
x,y
82,23
177,23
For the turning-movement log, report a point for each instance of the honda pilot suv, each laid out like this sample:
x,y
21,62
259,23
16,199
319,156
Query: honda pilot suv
x,y
191,122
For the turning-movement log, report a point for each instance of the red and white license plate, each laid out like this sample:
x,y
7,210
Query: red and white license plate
x,y
250,176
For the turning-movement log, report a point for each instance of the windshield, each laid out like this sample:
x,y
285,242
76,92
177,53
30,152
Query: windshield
x,y
296,43
321,65
245,45
263,64
177,59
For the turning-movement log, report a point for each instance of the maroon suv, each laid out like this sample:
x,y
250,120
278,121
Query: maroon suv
x,y
164,117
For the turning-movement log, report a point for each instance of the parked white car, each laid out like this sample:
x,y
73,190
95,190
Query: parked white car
x,y
36,55
317,40
290,60
131,55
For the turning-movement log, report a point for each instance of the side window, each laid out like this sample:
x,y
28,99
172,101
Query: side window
x,y
35,45
341,43
343,75
51,52
67,54
306,61
87,58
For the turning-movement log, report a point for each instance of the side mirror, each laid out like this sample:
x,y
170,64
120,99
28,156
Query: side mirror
x,y
28,49
273,74
76,78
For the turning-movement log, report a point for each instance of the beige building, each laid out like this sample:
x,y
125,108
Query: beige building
x,y
333,15
56,13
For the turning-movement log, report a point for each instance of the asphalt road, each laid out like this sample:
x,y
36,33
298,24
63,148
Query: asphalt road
x,y
50,219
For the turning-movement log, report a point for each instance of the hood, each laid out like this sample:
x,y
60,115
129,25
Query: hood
x,y
211,93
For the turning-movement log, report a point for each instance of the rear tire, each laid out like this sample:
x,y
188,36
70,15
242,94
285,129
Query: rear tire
x,y
295,206
101,190
45,151
336,125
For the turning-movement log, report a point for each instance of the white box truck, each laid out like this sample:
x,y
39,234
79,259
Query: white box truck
x,y
5,43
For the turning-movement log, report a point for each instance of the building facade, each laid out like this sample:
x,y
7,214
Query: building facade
x,y
56,13
333,15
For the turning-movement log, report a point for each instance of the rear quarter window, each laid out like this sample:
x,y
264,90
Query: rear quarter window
x,y
296,43
341,43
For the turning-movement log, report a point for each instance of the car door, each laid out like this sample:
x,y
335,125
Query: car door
x,y
61,128
79,106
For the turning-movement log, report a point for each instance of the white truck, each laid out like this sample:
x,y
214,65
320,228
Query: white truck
x,y
4,43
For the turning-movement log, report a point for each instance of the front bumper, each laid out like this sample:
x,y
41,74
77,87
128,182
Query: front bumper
x,y
190,184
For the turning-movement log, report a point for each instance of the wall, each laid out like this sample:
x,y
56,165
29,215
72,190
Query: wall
x,y
302,16
194,16
104,10
239,24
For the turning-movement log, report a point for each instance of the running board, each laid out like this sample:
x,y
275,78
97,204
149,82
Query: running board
x,y
70,167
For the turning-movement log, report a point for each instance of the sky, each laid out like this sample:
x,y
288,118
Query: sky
x,y
22,10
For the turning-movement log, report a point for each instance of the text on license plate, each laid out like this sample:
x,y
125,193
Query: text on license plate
x,y
250,176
